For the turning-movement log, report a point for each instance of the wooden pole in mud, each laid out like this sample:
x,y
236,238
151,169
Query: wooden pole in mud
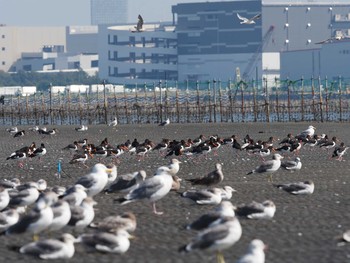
x,y
242,100
302,98
198,102
277,102
209,102
220,103
320,93
340,100
326,98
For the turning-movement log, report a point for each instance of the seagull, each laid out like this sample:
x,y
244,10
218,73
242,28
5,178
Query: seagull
x,y
106,242
292,165
12,130
225,209
152,189
82,215
127,182
165,123
114,122
51,248
269,166
74,195
309,131
255,253
204,196
249,20
61,215
216,238
173,168
8,218
24,197
255,210
213,178
226,192
4,198
298,188
126,221
38,219
139,25
96,180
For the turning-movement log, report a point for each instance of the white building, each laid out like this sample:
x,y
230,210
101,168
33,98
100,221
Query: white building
x,y
128,57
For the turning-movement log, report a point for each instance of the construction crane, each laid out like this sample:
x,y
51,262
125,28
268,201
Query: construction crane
x,y
254,58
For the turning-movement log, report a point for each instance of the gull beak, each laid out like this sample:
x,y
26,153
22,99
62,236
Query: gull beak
x,y
109,170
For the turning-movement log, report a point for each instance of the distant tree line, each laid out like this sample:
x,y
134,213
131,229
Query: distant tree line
x,y
43,80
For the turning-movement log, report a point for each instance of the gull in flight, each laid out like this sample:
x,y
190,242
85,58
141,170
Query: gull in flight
x,y
249,20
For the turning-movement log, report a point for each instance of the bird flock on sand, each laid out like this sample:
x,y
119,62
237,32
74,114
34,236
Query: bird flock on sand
x,y
37,208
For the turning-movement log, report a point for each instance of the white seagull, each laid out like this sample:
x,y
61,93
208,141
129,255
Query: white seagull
x,y
96,180
165,123
249,20
255,253
269,166
127,182
216,238
4,198
152,189
299,188
213,178
8,218
82,215
255,210
114,122
126,221
51,248
204,196
106,242
292,165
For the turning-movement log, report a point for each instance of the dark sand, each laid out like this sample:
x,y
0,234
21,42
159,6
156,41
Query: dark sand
x,y
303,229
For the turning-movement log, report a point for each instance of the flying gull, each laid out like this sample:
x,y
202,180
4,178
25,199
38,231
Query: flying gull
x,y
249,20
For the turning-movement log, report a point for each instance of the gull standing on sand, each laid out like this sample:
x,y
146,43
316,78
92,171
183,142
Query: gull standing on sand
x,y
61,215
127,182
96,180
38,219
8,218
106,242
255,253
213,178
309,131
216,238
152,189
51,248
299,188
215,217
269,166
255,210
74,195
82,215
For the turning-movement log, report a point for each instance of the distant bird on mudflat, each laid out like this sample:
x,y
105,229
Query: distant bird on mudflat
x,y
39,152
127,182
82,128
248,20
213,178
80,158
12,130
114,122
299,188
19,134
8,218
255,253
165,123
204,196
73,147
255,210
339,151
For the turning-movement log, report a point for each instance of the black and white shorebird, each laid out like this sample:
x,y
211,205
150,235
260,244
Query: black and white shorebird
x,y
213,178
217,216
151,189
106,242
81,128
216,238
62,248
72,147
299,188
165,123
269,166
19,134
256,210
39,152
80,158
255,253
248,21
114,122
292,165
339,151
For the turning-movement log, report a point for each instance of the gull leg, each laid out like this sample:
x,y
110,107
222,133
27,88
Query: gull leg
x,y
220,257
155,209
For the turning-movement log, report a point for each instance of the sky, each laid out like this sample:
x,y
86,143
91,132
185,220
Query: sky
x,y
77,12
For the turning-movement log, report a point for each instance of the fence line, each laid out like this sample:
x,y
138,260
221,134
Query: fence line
x,y
209,102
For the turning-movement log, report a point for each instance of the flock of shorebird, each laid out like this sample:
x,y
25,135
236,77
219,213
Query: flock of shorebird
x,y
34,207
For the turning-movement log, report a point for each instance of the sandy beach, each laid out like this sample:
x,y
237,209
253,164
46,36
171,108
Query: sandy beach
x,y
303,229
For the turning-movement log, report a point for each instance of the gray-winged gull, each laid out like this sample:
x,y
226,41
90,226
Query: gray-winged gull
x,y
298,188
255,253
255,210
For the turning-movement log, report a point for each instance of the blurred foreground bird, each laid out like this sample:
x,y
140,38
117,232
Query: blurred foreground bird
x,y
255,253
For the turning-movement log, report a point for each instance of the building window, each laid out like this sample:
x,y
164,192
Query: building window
x,y
94,63
3,63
